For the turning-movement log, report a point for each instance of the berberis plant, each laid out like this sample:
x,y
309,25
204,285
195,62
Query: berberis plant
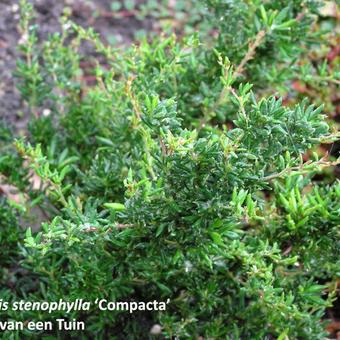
x,y
180,174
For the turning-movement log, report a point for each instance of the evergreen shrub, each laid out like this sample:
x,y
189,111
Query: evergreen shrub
x,y
180,174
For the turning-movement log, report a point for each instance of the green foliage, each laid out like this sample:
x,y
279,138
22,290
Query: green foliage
x,y
9,233
173,177
10,159
302,219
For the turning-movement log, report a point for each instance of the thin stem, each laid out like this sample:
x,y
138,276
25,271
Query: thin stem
x,y
321,162
250,53
239,70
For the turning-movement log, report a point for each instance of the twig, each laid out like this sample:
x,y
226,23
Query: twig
x,y
163,146
250,53
321,162
124,226
226,89
133,99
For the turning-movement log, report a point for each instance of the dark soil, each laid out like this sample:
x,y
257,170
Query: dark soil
x,y
87,13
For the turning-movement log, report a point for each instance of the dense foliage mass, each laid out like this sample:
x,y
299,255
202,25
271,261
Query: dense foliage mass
x,y
180,174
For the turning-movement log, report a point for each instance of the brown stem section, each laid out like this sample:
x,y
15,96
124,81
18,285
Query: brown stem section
x,y
226,89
